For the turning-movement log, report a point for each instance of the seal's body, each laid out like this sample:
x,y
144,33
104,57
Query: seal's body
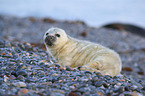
x,y
74,53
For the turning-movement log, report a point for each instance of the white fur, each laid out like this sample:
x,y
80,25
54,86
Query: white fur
x,y
74,53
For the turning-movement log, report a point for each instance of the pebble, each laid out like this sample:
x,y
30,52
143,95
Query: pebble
x,y
5,78
1,81
99,83
12,77
25,91
32,72
21,72
20,84
20,77
119,89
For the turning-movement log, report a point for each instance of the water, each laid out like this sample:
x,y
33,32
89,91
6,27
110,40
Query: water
x,y
93,12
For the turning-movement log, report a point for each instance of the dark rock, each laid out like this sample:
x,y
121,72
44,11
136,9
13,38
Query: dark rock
x,y
84,34
32,19
98,73
127,27
57,65
127,69
99,83
48,20
68,68
13,73
88,72
143,88
108,77
127,88
73,94
21,72
8,56
141,72
105,85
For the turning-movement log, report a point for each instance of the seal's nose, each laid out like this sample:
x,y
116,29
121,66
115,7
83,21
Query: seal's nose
x,y
49,37
49,40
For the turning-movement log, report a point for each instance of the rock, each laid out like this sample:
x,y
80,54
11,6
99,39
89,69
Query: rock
x,y
1,81
127,69
48,20
20,77
88,72
84,33
99,83
20,84
21,72
127,27
72,94
11,77
24,91
119,89
106,85
5,78
32,19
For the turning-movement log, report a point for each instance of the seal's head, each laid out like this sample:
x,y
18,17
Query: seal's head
x,y
54,37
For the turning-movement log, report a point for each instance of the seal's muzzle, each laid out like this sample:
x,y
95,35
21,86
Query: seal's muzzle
x,y
49,40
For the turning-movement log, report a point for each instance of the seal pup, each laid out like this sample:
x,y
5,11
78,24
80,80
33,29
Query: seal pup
x,y
72,52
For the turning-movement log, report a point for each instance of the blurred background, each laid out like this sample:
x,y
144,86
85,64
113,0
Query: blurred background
x,y
93,12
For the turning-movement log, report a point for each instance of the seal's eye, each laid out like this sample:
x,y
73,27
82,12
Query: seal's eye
x,y
47,34
58,35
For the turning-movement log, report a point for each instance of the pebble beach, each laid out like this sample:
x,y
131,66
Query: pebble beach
x,y
27,70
